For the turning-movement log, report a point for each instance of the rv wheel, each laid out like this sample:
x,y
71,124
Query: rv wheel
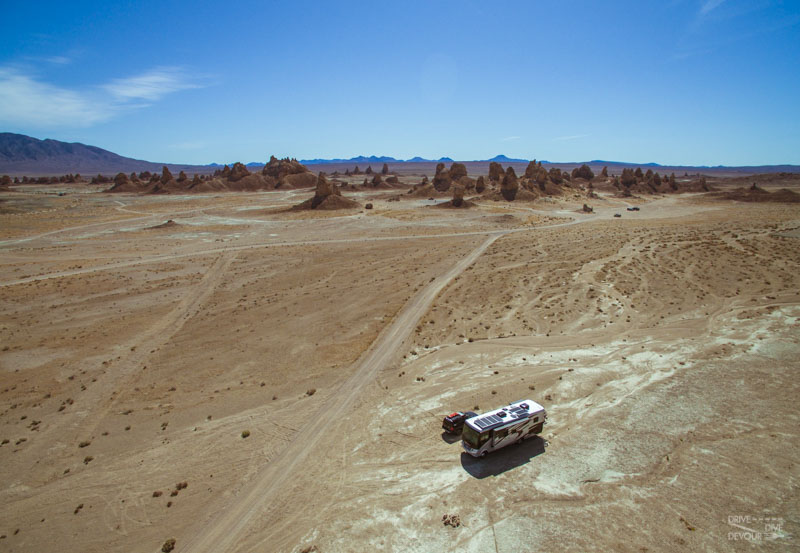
x,y
483,454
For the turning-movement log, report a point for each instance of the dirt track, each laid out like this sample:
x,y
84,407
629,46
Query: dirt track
x,y
159,347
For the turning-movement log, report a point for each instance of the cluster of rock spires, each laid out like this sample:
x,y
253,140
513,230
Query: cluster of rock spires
x,y
326,196
356,171
500,184
277,173
635,181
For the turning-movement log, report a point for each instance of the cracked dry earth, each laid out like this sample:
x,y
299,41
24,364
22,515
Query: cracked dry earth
x,y
664,346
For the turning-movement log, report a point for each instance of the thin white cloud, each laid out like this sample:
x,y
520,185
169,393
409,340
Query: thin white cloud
x,y
570,137
189,145
59,60
709,6
150,86
510,138
26,101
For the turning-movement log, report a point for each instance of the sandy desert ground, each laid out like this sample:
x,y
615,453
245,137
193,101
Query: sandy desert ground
x,y
251,379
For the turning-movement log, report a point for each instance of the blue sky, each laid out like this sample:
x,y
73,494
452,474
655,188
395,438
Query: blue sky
x,y
676,82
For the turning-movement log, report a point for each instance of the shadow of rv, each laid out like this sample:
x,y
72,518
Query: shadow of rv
x,y
504,459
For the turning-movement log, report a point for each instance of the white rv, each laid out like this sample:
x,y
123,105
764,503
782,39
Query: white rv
x,y
505,426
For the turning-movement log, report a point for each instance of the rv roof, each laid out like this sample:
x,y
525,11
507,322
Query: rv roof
x,y
517,410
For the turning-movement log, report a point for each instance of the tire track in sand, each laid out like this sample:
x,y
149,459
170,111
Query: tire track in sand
x,y
120,373
220,533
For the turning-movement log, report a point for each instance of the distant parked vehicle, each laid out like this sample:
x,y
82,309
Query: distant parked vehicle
x,y
618,215
454,422
634,208
505,426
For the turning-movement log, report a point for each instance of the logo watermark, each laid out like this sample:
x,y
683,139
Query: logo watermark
x,y
755,528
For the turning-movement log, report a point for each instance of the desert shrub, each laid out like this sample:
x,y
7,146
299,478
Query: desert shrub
x,y
311,391
245,433
168,546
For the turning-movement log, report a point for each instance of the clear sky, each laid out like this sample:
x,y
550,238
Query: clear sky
x,y
700,82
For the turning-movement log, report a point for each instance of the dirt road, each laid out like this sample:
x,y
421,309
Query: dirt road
x,y
220,534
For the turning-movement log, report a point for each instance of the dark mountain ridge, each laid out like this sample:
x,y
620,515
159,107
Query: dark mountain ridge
x,y
24,155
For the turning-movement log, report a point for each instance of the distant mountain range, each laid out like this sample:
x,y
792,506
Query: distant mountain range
x,y
386,159
21,155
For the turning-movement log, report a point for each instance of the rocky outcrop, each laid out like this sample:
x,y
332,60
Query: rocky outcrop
x,y
458,195
496,172
582,172
510,185
166,176
441,180
238,172
288,173
326,196
457,174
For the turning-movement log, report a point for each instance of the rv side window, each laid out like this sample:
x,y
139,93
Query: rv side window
x,y
500,434
535,419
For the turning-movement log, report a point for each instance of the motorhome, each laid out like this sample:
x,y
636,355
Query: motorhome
x,y
501,427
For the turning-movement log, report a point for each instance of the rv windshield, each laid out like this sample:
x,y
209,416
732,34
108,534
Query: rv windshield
x,y
472,438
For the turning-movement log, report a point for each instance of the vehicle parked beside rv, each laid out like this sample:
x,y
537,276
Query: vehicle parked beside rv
x,y
501,427
454,422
